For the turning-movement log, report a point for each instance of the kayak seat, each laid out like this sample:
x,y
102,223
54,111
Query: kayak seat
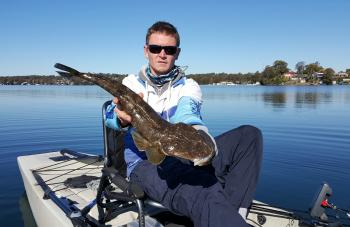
x,y
117,195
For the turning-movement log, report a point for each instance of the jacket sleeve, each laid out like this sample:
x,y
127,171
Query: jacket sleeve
x,y
188,110
111,119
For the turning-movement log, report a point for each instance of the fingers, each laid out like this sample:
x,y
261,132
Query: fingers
x,y
115,100
124,118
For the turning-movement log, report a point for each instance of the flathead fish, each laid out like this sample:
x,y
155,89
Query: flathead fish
x,y
152,134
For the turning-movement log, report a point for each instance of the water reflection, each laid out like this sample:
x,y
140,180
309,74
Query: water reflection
x,y
311,100
27,215
276,100
302,98
347,98
306,100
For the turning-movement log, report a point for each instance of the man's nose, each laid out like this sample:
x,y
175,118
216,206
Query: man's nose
x,y
162,53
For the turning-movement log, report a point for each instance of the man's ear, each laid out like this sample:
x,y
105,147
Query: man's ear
x,y
145,51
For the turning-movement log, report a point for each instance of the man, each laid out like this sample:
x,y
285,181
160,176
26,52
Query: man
x,y
214,195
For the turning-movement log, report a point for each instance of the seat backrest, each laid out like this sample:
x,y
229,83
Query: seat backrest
x,y
113,145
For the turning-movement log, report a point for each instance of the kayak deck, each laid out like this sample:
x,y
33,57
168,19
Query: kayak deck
x,y
53,170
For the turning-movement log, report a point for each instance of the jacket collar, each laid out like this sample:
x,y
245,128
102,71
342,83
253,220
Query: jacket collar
x,y
144,78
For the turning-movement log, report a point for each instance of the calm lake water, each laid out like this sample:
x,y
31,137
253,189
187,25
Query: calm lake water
x,y
306,135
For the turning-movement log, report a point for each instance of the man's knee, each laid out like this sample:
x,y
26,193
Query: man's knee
x,y
255,136
252,132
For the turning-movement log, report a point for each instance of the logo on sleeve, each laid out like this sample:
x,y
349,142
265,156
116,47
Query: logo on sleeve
x,y
110,113
195,107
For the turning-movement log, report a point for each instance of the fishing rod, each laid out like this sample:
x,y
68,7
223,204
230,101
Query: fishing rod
x,y
326,204
316,216
321,203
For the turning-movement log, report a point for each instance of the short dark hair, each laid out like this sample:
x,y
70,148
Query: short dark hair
x,y
163,27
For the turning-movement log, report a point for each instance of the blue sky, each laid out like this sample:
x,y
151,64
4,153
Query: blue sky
x,y
216,36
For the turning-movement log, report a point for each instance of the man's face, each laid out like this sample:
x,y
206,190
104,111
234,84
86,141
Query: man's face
x,y
161,63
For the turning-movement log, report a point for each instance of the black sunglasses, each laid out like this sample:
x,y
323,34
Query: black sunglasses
x,y
156,49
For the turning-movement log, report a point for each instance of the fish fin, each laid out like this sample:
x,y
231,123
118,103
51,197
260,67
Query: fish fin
x,y
153,153
154,156
141,143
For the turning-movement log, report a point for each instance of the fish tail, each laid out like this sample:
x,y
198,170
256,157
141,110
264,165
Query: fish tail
x,y
112,86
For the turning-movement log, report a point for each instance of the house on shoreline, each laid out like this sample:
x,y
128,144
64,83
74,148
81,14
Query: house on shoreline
x,y
338,78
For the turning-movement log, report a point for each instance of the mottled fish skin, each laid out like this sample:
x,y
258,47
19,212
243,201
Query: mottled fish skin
x,y
152,133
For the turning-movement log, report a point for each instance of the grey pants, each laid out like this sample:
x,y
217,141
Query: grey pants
x,y
209,195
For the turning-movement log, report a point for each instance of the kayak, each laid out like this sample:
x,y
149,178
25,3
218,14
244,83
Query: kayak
x,y
62,186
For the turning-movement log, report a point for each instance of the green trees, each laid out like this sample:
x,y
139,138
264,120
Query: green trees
x,y
309,71
348,71
328,76
239,78
274,74
313,68
300,67
281,67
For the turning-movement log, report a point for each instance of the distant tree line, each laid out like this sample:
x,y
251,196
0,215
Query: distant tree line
x,y
275,75
51,80
271,75
213,78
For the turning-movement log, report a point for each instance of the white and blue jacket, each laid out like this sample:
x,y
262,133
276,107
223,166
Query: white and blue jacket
x,y
177,101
